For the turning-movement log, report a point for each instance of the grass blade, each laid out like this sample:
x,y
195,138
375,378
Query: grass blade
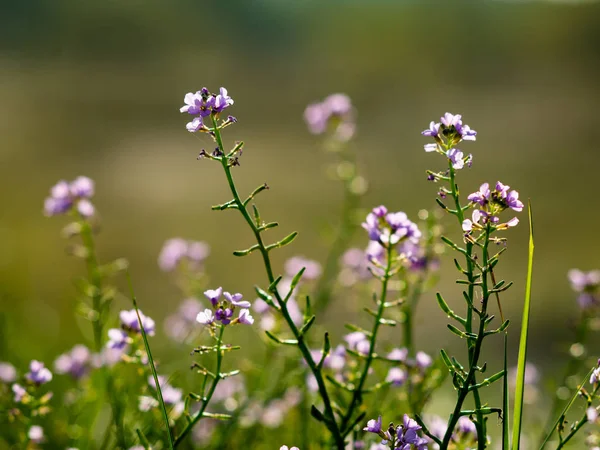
x,y
520,384
151,361
505,399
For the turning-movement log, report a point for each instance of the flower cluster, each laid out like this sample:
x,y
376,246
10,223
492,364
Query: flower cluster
x,y
65,196
334,113
202,104
177,250
447,133
38,373
402,437
75,363
387,228
587,285
224,309
120,338
489,204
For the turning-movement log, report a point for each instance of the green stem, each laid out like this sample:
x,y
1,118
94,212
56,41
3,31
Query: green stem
x,y
573,367
312,365
344,236
211,391
473,361
580,423
357,394
95,279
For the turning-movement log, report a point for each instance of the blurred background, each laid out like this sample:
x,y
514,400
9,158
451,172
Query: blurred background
x,y
94,88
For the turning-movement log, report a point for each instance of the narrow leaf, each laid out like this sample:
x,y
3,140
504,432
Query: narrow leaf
x,y
520,386
247,251
151,361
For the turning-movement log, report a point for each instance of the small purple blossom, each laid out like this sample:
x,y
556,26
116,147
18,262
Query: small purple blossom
x,y
456,157
312,269
390,228
8,373
38,373
245,317
19,392
202,104
335,113
587,285
177,250
373,426
236,300
205,317
75,363
431,148
214,295
36,434
129,321
396,376
433,130
117,339
65,195
398,354
423,360
450,120
224,315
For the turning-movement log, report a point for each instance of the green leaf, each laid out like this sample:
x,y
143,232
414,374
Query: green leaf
x,y
520,386
266,226
448,311
285,241
307,324
151,361
247,251
273,285
256,191
281,341
294,283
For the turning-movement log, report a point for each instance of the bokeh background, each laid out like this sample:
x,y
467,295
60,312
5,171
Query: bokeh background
x,y
94,88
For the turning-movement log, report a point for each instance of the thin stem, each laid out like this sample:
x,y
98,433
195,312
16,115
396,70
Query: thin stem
x,y
580,423
312,365
357,394
344,236
572,368
473,361
95,279
211,391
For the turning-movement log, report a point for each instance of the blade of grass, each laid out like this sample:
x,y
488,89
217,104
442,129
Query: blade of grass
x,y
520,384
566,408
151,361
505,400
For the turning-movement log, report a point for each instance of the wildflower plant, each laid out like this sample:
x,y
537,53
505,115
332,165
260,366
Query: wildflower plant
x,y
313,388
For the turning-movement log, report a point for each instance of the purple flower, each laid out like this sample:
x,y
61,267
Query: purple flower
x,y
482,196
373,426
224,315
465,132
398,354
513,202
36,434
129,321
466,426
194,125
312,269
205,317
8,373
390,228
595,376
433,130
587,284
285,447
396,376
38,373
193,103
214,295
64,195
177,250
19,392
451,120
236,300
245,317
117,339
430,148
75,363
222,101
335,111
423,360
456,157
82,187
